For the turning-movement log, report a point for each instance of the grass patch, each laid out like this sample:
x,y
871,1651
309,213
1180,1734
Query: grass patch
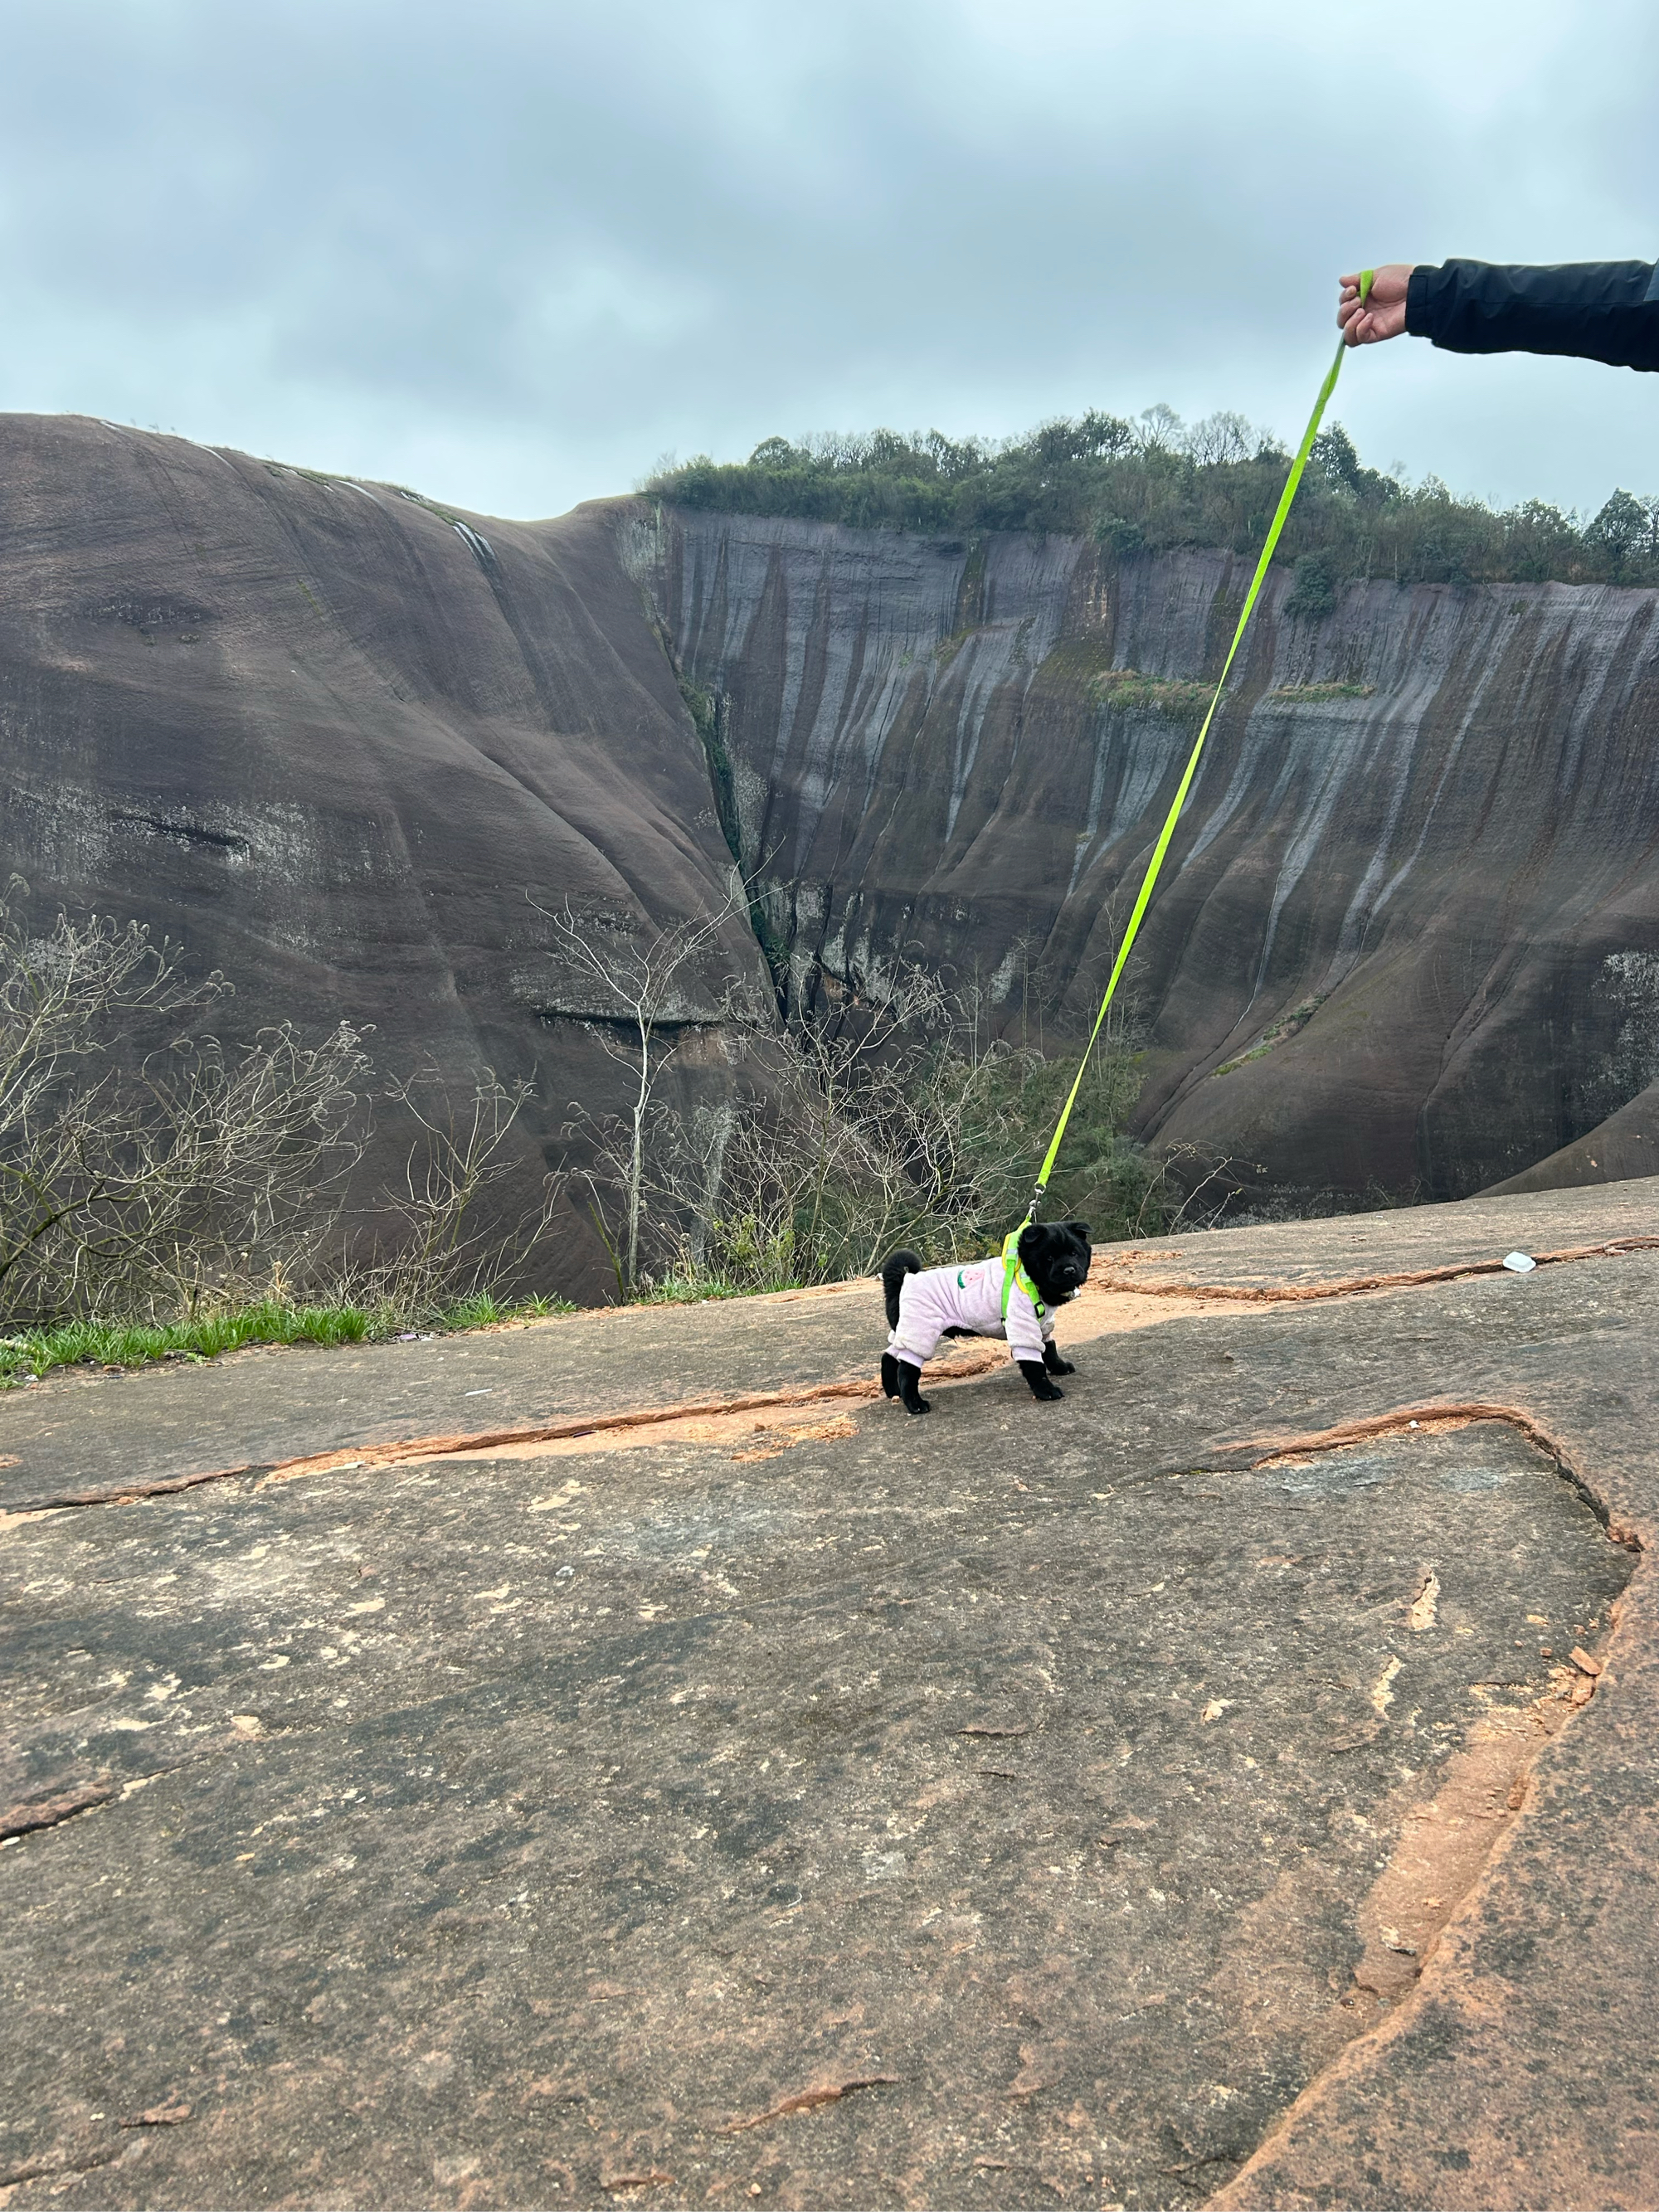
x,y
1255,1052
1288,1025
483,1311
137,1344
1182,699
1126,691
31,1353
1315,695
695,1290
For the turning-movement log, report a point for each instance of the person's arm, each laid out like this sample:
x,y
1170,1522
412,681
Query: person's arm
x,y
1606,311
1599,310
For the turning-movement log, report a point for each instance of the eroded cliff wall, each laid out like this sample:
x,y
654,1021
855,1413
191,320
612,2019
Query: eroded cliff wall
x,y
1408,934
336,743
341,743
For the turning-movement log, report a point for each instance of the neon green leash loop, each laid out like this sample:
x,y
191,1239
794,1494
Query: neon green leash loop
x,y
1149,880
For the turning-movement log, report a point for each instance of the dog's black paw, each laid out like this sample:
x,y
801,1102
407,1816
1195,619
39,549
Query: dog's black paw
x,y
1037,1376
1059,1366
890,1376
906,1377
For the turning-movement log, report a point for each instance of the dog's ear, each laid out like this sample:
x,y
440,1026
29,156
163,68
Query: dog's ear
x,y
1080,1228
1034,1239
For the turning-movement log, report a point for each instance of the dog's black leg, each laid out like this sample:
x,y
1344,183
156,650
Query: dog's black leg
x,y
1054,1363
910,1377
890,1376
1037,1376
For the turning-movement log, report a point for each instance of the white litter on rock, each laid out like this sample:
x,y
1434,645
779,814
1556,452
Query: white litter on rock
x,y
1518,1263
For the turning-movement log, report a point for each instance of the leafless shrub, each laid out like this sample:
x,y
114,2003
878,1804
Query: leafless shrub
x,y
1220,440
857,1137
443,1239
885,1123
146,1172
137,1177
638,978
1187,1186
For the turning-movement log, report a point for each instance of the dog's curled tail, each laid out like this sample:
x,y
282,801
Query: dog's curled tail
x,y
893,1272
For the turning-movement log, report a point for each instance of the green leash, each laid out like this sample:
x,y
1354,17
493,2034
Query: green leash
x,y
1149,880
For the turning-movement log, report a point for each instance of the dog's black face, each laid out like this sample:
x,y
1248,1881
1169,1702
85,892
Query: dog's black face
x,y
1055,1254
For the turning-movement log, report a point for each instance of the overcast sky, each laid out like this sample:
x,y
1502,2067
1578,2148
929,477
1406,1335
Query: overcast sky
x,y
510,252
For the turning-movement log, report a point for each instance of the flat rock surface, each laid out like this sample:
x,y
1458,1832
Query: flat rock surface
x,y
80,1433
256,1407
1475,1233
1215,1787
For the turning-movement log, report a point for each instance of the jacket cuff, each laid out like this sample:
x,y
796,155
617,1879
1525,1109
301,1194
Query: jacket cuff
x,y
1417,312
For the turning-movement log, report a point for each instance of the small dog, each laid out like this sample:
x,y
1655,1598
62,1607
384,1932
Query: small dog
x,y
1012,1297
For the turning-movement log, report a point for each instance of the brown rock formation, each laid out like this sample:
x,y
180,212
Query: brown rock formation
x,y
1408,933
337,739
334,739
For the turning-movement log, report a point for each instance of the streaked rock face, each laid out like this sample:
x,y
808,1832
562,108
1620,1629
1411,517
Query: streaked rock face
x,y
340,741
1407,932
335,742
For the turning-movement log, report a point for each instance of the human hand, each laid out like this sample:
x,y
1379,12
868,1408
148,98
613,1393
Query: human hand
x,y
1382,315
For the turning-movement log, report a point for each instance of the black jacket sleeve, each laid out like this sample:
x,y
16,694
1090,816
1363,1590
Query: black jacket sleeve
x,y
1599,310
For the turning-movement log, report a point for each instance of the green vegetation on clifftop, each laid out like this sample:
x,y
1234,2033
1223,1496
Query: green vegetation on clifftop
x,y
1159,483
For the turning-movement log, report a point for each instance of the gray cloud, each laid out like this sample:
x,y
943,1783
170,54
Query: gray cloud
x,y
513,253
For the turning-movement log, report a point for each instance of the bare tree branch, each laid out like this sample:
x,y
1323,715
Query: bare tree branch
x,y
639,978
139,1178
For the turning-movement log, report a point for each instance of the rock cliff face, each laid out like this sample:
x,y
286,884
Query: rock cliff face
x,y
341,743
1408,933
335,741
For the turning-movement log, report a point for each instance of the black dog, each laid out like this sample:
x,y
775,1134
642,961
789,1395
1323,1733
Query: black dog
x,y
924,1304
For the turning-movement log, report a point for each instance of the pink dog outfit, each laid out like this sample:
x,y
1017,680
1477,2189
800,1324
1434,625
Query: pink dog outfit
x,y
992,1298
